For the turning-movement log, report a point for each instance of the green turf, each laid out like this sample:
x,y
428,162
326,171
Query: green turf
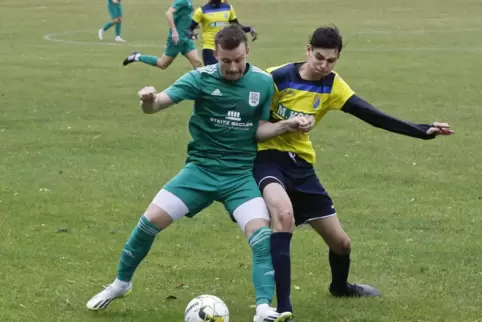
x,y
80,162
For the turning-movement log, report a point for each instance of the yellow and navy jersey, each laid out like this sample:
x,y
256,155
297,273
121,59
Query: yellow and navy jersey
x,y
295,96
212,19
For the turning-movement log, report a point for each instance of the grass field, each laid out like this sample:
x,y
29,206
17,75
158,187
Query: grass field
x,y
80,162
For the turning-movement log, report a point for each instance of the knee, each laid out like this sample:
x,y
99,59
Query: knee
x,y
117,20
162,64
158,216
342,246
282,218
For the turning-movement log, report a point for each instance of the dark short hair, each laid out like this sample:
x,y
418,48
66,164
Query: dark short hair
x,y
230,37
327,38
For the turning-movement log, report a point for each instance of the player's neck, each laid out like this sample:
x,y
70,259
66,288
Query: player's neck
x,y
306,74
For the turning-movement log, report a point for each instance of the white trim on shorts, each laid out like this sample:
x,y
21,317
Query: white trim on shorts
x,y
171,204
316,218
272,177
253,209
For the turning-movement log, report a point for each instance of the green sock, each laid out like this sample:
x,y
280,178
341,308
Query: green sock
x,y
108,25
118,29
150,60
263,272
136,248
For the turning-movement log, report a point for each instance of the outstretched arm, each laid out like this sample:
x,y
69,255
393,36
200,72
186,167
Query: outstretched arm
x,y
363,110
268,130
152,102
185,88
249,29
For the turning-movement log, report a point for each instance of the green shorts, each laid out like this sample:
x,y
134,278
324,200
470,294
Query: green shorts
x,y
115,10
183,47
198,188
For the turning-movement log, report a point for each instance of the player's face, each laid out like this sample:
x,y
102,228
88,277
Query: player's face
x,y
321,61
232,63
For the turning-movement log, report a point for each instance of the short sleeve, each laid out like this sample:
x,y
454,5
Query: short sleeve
x,y
340,93
187,87
266,107
198,15
178,4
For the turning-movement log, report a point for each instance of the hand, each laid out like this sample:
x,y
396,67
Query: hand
x,y
175,37
306,123
292,124
147,94
192,35
254,34
440,129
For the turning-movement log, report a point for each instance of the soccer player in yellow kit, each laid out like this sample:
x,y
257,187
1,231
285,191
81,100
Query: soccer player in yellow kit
x,y
284,165
212,17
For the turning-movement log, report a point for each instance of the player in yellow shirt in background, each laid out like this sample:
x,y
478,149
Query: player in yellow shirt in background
x,y
284,165
179,17
212,17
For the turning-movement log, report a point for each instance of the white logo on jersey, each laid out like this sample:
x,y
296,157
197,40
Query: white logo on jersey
x,y
253,98
233,116
217,92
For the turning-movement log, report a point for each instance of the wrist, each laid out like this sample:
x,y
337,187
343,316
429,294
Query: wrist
x,y
283,126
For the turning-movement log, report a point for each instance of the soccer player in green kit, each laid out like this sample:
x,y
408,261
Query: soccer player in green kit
x,y
179,17
232,101
115,12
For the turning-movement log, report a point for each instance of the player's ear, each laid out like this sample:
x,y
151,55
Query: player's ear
x,y
308,49
247,49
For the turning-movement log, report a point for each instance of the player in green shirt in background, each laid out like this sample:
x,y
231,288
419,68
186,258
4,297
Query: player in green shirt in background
x,y
179,17
115,12
232,102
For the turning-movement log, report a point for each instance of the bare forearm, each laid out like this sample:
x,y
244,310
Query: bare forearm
x,y
170,21
268,130
160,102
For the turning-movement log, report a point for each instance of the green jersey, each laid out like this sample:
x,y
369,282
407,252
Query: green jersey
x,y
182,17
226,116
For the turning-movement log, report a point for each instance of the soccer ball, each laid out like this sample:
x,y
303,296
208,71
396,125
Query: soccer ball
x,y
208,308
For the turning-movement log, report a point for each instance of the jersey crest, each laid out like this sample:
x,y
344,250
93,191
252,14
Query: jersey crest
x,y
316,102
254,99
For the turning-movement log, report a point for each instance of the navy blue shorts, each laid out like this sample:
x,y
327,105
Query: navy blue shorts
x,y
208,57
309,198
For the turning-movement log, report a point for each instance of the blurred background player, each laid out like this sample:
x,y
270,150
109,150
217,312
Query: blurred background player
x,y
231,112
179,17
284,165
115,12
212,17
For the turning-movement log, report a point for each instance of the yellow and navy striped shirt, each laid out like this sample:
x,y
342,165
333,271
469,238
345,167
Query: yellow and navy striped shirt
x,y
295,96
212,19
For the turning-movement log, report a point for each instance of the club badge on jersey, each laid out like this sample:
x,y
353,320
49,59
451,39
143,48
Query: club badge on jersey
x,y
254,98
316,102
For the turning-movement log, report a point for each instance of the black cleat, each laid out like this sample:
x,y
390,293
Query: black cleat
x,y
131,58
356,290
